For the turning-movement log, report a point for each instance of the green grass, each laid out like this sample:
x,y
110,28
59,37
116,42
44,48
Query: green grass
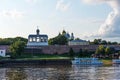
x,y
42,57
54,58
107,61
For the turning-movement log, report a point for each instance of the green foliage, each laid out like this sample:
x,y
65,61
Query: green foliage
x,y
58,40
80,53
97,41
84,53
17,48
114,43
104,52
108,50
71,53
100,50
77,39
9,41
103,42
119,52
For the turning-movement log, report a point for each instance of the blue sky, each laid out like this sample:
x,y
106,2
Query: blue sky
x,y
21,17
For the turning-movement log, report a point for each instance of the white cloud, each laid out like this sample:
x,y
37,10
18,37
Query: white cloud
x,y
12,14
31,1
111,26
95,1
62,6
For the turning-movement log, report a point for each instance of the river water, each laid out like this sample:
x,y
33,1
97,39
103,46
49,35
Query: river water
x,y
60,72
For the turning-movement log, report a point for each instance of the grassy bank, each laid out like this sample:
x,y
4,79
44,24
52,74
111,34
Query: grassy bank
x,y
41,57
107,61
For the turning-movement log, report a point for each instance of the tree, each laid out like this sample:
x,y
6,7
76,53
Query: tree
x,y
109,43
97,41
104,42
85,53
108,50
9,41
100,50
80,53
114,43
77,39
71,53
58,40
17,48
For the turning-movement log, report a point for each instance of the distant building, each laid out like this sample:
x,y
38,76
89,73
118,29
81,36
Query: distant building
x,y
2,52
37,39
78,42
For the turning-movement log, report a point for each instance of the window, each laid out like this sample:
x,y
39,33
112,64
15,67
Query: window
x,y
30,39
45,40
38,39
41,40
34,39
41,37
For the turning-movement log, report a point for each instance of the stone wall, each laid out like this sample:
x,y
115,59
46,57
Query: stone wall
x,y
60,49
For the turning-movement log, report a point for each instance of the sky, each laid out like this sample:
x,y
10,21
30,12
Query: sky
x,y
85,18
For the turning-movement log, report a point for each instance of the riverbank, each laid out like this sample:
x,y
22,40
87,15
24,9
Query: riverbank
x,y
44,60
10,63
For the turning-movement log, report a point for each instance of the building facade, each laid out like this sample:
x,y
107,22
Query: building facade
x,y
37,39
78,42
2,52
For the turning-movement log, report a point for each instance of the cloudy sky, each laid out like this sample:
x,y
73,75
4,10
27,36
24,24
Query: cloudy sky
x,y
87,19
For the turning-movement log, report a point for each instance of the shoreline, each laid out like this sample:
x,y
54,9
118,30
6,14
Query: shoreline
x,y
35,62
12,62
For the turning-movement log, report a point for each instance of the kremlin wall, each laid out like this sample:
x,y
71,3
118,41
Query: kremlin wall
x,y
61,49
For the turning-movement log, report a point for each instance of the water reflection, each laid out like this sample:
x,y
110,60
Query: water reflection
x,y
49,73
60,72
15,74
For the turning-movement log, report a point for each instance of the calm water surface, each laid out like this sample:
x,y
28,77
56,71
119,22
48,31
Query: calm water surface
x,y
57,72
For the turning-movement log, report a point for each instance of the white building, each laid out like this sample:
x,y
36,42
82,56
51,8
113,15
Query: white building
x,y
78,42
37,39
3,52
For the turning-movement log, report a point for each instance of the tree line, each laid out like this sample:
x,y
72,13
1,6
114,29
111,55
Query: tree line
x,y
102,42
9,41
106,52
60,39
16,44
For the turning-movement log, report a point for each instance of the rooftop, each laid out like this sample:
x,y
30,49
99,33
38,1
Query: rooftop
x,y
78,40
33,35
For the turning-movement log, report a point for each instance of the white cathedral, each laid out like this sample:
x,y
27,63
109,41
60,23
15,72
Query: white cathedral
x,y
37,39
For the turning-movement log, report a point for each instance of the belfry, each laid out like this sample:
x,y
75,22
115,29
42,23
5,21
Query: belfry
x,y
37,39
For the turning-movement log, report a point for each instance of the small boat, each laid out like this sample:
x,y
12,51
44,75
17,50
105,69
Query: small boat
x,y
87,61
116,61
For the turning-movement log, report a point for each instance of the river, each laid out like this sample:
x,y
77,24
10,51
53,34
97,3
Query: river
x,y
60,72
